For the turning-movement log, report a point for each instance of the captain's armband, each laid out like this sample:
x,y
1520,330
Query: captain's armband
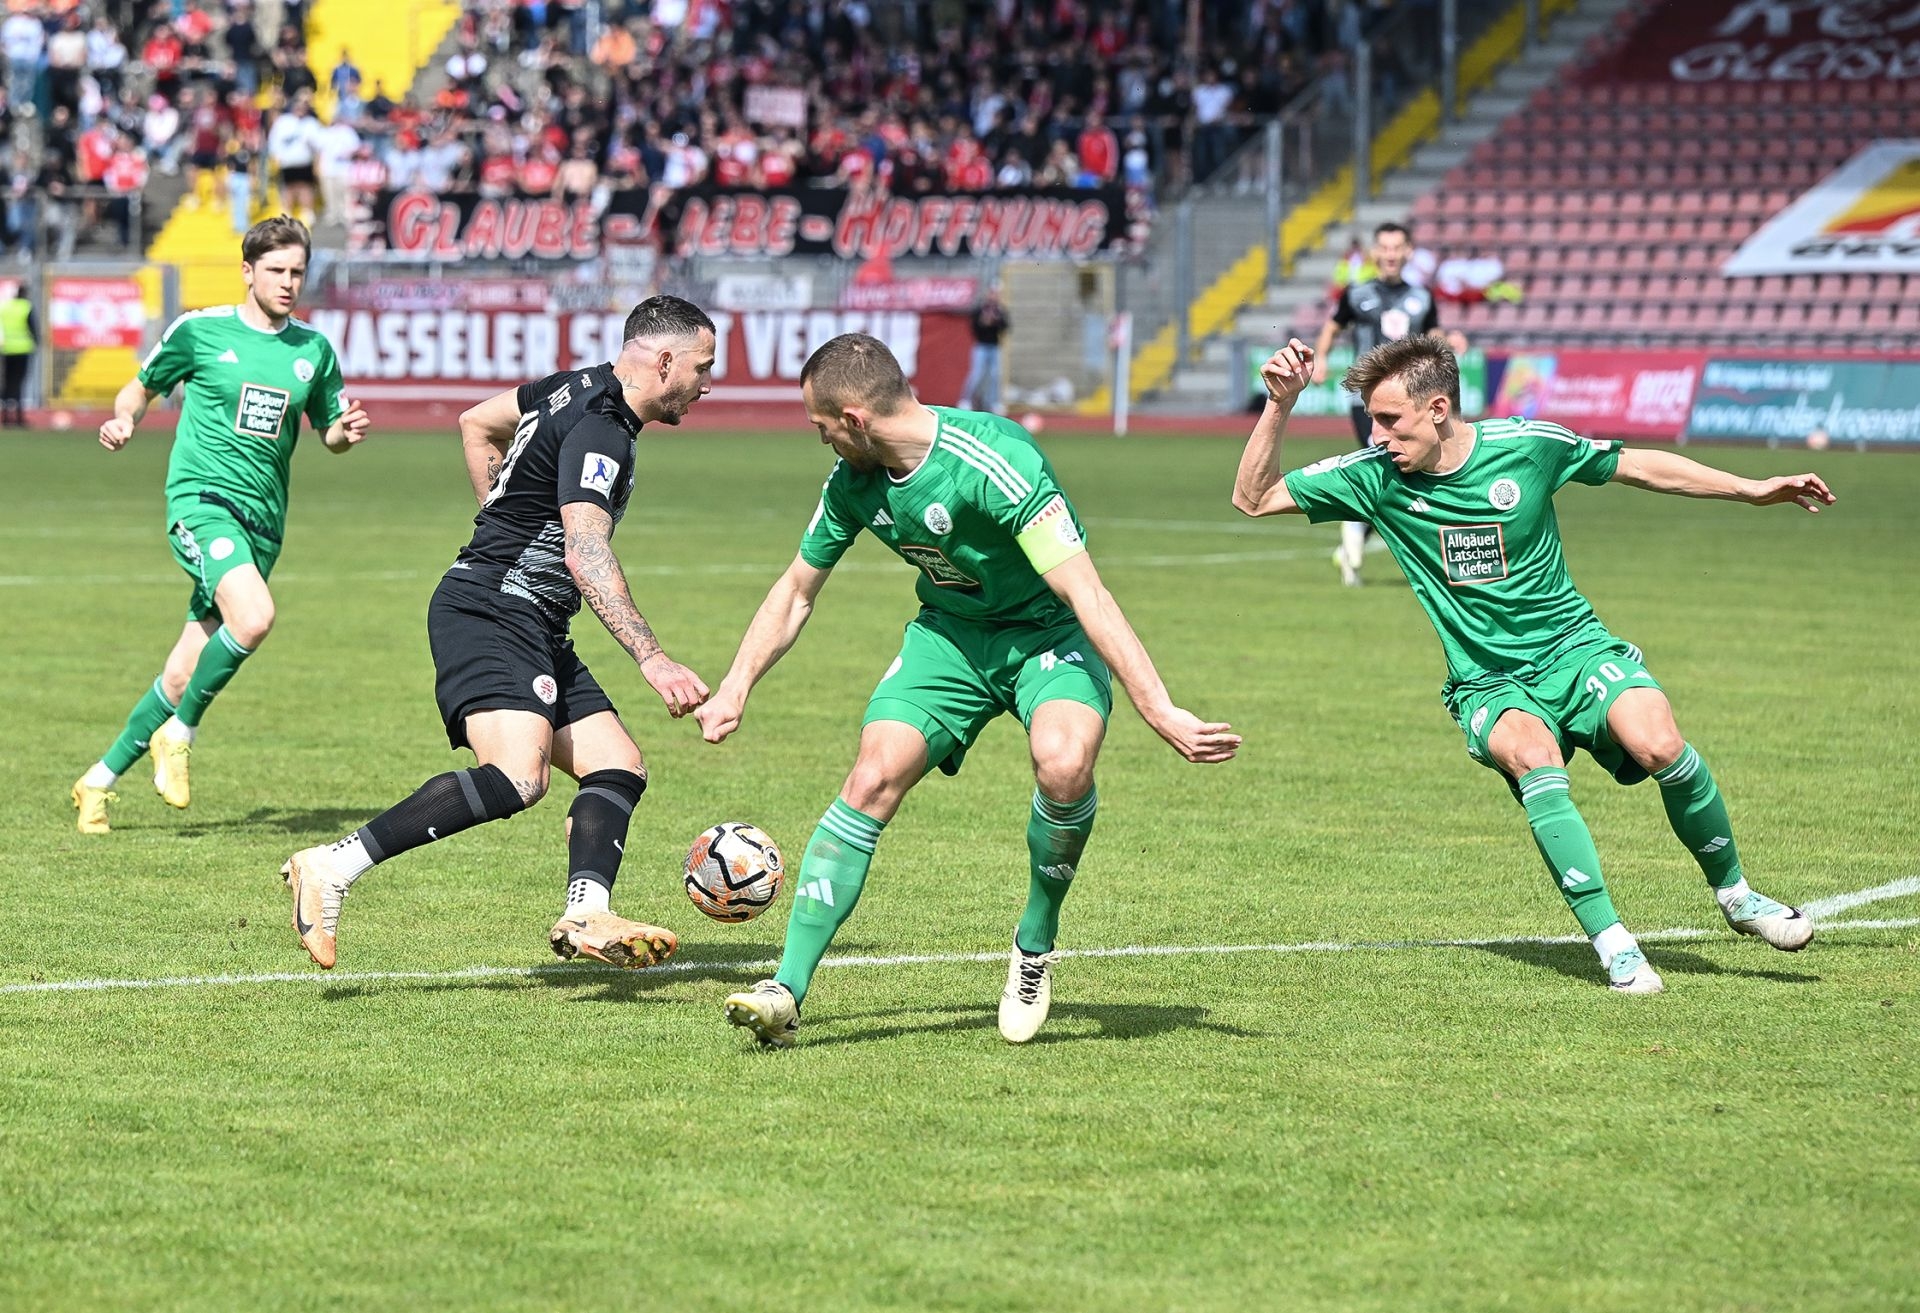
x,y
1051,536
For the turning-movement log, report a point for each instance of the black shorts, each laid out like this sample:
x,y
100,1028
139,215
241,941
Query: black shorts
x,y
496,652
296,175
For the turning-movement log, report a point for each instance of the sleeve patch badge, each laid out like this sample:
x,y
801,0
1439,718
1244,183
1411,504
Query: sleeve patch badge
x,y
598,472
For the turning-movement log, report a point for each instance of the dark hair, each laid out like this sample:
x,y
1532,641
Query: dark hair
x,y
1425,366
666,316
1391,227
275,234
856,369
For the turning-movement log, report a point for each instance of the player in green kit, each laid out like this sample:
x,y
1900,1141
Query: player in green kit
x,y
1532,675
250,372
1013,618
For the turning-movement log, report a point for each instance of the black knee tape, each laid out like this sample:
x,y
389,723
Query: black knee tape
x,y
491,794
622,788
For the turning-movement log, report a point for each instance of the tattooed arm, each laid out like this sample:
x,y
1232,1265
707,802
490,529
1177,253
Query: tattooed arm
x,y
603,585
486,431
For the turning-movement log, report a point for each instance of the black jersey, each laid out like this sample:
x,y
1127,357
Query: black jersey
x,y
1378,311
574,443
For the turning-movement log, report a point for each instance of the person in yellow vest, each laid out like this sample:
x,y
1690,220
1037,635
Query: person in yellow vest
x,y
18,340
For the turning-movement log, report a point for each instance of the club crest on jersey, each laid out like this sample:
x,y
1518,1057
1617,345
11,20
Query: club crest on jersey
x,y
938,521
597,473
261,411
303,370
1504,495
546,689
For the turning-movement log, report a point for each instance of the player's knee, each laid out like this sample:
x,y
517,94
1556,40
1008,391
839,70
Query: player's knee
x,y
874,787
1065,775
530,785
1063,762
251,622
1657,749
175,676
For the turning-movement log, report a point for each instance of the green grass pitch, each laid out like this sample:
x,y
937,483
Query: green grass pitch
x,y
1358,1126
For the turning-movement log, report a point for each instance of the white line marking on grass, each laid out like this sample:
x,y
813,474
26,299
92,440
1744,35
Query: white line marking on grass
x,y
1825,907
899,960
768,569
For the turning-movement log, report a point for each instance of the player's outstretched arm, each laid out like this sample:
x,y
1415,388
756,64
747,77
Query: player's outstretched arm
x,y
775,628
129,408
1670,472
603,584
349,431
1078,584
1258,488
486,431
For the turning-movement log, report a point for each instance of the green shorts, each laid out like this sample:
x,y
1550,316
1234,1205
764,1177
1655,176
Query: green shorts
x,y
952,677
209,541
1571,692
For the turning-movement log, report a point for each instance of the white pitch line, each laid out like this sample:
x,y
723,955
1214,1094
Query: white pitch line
x,y
1820,908
768,569
902,960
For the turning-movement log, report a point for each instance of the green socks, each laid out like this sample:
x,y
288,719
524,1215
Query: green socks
x,y
832,873
1564,840
1699,817
148,715
218,660
1056,836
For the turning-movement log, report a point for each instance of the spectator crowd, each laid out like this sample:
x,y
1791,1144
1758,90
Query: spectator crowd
x,y
578,98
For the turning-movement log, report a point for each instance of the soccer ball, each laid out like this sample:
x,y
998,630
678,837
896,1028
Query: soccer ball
x,y
734,871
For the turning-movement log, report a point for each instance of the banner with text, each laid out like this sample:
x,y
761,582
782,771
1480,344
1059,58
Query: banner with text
x,y
1864,217
1034,223
1768,41
452,356
95,312
1030,224
1791,400
1642,394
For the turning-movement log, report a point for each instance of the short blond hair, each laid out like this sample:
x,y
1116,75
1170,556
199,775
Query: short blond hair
x,y
856,369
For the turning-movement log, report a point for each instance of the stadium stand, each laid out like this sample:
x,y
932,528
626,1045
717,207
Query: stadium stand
x,y
1612,206
568,95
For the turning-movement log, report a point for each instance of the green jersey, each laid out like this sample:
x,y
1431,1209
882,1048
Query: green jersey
x,y
982,517
1481,545
240,413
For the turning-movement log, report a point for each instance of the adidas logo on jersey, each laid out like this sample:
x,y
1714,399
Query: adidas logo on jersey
x,y
1418,506
881,520
227,357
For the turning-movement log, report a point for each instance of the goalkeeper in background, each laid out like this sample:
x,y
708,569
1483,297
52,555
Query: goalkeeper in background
x,y
1532,675
250,372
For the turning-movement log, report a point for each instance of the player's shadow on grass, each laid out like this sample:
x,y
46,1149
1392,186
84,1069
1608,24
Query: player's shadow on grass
x,y
1067,1023
588,982
1579,962
319,822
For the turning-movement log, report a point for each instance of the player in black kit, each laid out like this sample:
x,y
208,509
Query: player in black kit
x,y
552,465
1384,308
